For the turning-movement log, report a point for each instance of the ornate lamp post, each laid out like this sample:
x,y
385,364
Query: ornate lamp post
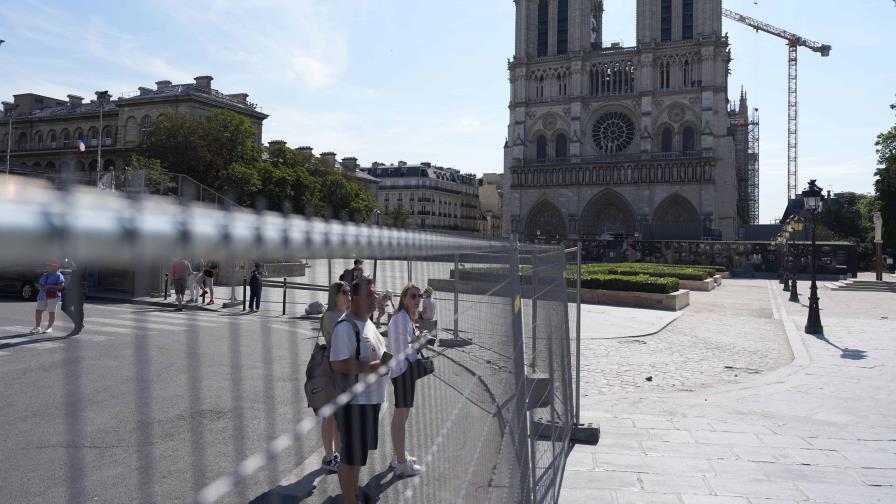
x,y
812,201
102,98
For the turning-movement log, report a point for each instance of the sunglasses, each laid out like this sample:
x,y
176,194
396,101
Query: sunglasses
x,y
414,295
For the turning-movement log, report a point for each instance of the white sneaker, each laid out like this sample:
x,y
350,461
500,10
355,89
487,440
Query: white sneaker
x,y
48,330
407,470
35,330
394,462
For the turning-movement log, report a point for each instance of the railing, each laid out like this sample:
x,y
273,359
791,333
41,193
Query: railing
x,y
213,404
615,158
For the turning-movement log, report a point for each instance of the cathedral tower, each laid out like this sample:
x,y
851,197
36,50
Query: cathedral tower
x,y
619,140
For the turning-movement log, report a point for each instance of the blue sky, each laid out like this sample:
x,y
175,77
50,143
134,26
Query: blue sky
x,y
421,80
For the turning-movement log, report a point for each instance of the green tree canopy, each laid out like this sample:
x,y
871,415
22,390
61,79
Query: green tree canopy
x,y
885,184
397,216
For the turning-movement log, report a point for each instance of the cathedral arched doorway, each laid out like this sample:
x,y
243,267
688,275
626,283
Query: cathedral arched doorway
x,y
607,212
676,209
545,223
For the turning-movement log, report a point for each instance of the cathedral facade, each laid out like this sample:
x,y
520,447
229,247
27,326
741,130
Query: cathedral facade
x,y
636,141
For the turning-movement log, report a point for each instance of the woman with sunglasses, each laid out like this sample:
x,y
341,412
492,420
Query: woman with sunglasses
x,y
403,334
338,303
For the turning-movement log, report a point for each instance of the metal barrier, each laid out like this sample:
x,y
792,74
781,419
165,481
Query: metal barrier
x,y
214,401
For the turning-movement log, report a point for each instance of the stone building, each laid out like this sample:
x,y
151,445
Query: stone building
x,y
437,197
620,140
46,131
491,193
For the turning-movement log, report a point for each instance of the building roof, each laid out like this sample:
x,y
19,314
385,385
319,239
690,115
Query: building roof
x,y
423,170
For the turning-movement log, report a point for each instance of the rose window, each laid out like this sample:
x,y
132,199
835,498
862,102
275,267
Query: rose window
x,y
613,132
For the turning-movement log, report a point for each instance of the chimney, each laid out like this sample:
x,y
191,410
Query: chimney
x,y
144,90
306,150
276,143
350,162
8,107
426,164
402,163
162,84
377,164
204,81
241,98
329,157
74,100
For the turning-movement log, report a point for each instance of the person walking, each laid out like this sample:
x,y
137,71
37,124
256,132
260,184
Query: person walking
x,y
49,294
402,336
74,296
195,268
208,279
383,299
355,354
181,271
338,303
255,286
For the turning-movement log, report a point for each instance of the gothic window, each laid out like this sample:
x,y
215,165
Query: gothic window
x,y
539,93
145,125
562,26
561,147
541,148
39,139
687,139
686,74
665,20
51,138
66,138
93,136
687,20
107,136
542,28
613,133
666,139
79,135
665,74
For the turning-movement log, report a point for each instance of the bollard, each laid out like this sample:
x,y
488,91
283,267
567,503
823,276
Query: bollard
x,y
284,296
794,295
166,286
244,293
786,282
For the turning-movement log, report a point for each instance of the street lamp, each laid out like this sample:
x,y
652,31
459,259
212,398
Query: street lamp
x,y
101,97
812,201
12,109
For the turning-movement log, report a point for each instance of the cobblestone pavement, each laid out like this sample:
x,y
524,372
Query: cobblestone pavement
x,y
724,336
821,429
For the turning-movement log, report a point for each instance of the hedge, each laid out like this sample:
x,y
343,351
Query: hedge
x,y
639,283
653,270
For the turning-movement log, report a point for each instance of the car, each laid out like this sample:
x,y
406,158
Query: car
x,y
22,280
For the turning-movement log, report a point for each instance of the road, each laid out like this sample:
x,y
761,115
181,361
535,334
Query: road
x,y
168,401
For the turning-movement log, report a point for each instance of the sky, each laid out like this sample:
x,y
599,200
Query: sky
x,y
412,80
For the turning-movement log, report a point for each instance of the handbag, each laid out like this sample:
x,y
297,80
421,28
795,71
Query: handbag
x,y
423,366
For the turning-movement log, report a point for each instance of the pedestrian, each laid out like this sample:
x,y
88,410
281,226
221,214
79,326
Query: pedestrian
x,y
255,286
49,294
429,305
208,279
355,354
383,299
356,271
196,268
181,271
402,336
75,293
338,303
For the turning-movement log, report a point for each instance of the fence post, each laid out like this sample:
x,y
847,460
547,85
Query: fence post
x,y
284,295
166,286
329,272
456,282
410,277
244,293
519,365
578,331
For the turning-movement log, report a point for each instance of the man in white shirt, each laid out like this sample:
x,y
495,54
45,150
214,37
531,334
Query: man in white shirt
x,y
355,352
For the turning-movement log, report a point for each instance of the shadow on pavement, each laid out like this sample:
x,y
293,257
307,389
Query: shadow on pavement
x,y
845,353
51,339
304,488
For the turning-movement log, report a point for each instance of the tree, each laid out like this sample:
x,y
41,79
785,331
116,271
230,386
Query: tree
x,y
885,184
397,216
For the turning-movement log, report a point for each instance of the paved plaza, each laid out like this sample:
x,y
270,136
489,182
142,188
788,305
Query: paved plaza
x,y
732,415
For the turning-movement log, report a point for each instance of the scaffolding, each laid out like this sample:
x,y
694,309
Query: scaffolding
x,y
753,167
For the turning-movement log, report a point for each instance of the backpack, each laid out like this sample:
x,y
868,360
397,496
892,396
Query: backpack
x,y
321,384
314,308
346,274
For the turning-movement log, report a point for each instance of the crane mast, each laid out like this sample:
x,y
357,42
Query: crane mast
x,y
794,42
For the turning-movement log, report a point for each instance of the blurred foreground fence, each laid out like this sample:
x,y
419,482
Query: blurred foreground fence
x,y
492,424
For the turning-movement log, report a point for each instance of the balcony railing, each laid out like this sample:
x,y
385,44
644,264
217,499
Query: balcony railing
x,y
45,146
614,158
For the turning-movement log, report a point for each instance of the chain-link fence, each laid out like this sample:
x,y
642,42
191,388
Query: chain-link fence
x,y
159,405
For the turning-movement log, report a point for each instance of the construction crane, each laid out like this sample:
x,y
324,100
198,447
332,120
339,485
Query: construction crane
x,y
793,43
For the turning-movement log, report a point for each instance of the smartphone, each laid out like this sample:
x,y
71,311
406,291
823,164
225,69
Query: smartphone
x,y
384,360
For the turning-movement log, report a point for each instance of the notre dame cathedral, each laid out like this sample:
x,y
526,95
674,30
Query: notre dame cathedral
x,y
609,140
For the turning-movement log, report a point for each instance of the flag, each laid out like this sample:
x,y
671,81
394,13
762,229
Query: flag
x,y
81,147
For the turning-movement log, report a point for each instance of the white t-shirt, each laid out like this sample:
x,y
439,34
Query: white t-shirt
x,y
342,346
401,334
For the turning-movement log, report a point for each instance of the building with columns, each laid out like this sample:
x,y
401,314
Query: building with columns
x,y
46,131
621,140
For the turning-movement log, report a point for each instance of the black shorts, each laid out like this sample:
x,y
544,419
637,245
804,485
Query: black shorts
x,y
405,386
358,431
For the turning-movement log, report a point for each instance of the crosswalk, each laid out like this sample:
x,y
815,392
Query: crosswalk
x,y
110,322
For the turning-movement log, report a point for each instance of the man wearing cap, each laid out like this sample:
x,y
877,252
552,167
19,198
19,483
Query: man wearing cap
x,y
48,297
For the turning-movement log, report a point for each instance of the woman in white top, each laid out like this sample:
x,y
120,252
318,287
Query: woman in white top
x,y
337,304
402,335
